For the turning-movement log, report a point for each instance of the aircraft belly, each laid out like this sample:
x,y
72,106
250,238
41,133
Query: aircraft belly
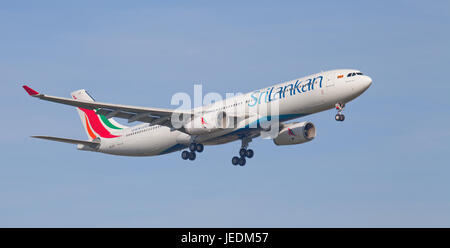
x,y
222,140
147,144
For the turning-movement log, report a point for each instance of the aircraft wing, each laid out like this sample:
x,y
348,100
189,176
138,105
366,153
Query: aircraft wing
x,y
154,116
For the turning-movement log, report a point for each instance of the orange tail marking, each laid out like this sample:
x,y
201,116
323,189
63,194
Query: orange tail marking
x,y
91,134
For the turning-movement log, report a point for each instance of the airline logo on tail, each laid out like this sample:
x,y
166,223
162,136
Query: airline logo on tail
x,y
97,125
94,123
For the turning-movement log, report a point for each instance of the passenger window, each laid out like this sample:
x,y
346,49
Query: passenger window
x,y
349,75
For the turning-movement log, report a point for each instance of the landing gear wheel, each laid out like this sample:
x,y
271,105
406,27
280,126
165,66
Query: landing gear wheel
x,y
192,147
249,153
340,107
242,152
199,147
340,117
235,160
192,156
185,155
241,161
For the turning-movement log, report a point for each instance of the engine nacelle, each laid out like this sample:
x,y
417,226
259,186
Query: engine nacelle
x,y
295,133
207,123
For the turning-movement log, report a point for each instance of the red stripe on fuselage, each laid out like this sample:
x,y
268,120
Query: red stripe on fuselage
x,y
96,124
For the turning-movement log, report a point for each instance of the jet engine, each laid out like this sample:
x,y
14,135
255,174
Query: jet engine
x,y
295,133
207,123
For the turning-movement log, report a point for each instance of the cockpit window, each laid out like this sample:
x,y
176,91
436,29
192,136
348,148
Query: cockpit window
x,y
354,74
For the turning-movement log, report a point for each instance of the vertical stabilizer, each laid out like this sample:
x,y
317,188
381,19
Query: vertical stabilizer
x,y
96,125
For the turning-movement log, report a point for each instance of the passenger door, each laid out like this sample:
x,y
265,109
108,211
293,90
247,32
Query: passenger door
x,y
330,79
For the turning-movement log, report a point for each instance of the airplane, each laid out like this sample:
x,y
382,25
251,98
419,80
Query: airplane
x,y
240,117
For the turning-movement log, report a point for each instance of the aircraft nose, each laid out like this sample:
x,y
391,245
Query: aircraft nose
x,y
366,81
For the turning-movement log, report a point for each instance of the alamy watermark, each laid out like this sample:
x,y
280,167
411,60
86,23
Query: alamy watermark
x,y
201,114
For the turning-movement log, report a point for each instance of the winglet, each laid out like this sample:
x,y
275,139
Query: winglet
x,y
30,91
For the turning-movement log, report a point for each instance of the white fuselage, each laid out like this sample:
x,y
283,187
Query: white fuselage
x,y
294,99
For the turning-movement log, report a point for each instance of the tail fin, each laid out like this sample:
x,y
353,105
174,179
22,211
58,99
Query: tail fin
x,y
96,125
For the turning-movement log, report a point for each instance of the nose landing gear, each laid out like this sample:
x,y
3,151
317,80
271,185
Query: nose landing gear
x,y
340,107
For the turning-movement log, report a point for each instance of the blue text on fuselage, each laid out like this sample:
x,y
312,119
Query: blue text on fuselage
x,y
279,92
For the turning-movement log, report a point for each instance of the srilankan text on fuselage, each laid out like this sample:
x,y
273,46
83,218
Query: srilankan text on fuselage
x,y
279,92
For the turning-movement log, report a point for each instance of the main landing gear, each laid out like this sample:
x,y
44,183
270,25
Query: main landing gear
x,y
243,153
340,108
193,147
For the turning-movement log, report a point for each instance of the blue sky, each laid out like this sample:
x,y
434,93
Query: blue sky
x,y
387,165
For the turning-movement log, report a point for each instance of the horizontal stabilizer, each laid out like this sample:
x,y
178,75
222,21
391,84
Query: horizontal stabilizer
x,y
92,144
